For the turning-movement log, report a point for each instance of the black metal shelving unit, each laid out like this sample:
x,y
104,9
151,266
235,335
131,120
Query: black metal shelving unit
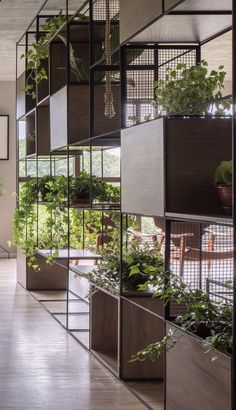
x,y
71,132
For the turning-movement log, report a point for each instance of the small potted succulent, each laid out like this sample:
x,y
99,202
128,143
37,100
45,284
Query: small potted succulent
x,y
223,183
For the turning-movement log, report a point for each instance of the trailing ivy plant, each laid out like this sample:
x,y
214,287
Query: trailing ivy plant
x,y
25,217
38,53
187,90
208,319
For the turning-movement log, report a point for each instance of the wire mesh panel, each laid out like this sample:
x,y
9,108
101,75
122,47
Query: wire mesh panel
x,y
99,9
143,66
201,254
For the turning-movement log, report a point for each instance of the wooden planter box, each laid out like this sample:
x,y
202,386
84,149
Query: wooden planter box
x,y
104,327
50,277
69,117
193,381
138,329
185,150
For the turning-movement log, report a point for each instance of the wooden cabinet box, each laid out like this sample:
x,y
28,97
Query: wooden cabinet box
x,y
142,169
49,277
138,329
188,150
193,380
104,328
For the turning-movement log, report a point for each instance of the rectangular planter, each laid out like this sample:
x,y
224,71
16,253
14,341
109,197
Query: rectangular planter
x,y
138,329
104,327
187,151
193,381
50,277
70,113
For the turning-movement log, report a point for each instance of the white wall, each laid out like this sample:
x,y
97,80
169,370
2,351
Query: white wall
x,y
8,168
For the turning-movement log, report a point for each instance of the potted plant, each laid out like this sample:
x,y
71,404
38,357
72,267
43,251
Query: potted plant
x,y
223,183
43,187
139,266
80,189
191,91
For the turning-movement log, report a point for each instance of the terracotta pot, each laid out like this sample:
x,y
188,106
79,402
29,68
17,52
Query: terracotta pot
x,y
225,195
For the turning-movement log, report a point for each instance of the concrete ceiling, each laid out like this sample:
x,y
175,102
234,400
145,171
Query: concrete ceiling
x,y
15,17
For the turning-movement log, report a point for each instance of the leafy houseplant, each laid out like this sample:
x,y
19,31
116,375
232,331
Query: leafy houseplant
x,y
84,185
187,90
80,189
141,265
223,183
209,320
138,266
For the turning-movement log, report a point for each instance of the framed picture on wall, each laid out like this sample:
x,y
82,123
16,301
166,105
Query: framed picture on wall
x,y
4,137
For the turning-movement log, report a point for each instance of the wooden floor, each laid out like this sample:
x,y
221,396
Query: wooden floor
x,y
41,366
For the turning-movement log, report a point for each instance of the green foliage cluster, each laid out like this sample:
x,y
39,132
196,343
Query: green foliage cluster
x,y
39,53
223,173
83,185
24,221
53,233
208,319
139,266
187,90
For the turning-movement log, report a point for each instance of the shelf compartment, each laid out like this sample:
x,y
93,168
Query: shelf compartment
x,y
104,328
138,329
78,284
177,27
152,392
69,116
57,64
43,130
187,366
43,86
145,13
102,124
194,148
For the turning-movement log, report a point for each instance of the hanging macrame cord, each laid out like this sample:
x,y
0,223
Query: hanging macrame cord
x,y
109,106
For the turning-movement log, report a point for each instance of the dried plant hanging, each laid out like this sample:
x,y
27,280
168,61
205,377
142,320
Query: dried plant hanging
x,y
108,97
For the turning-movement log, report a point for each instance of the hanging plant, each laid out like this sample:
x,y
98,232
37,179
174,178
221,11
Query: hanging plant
x,y
39,53
25,217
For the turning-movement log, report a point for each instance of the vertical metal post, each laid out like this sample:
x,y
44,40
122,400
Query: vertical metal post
x,y
233,372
